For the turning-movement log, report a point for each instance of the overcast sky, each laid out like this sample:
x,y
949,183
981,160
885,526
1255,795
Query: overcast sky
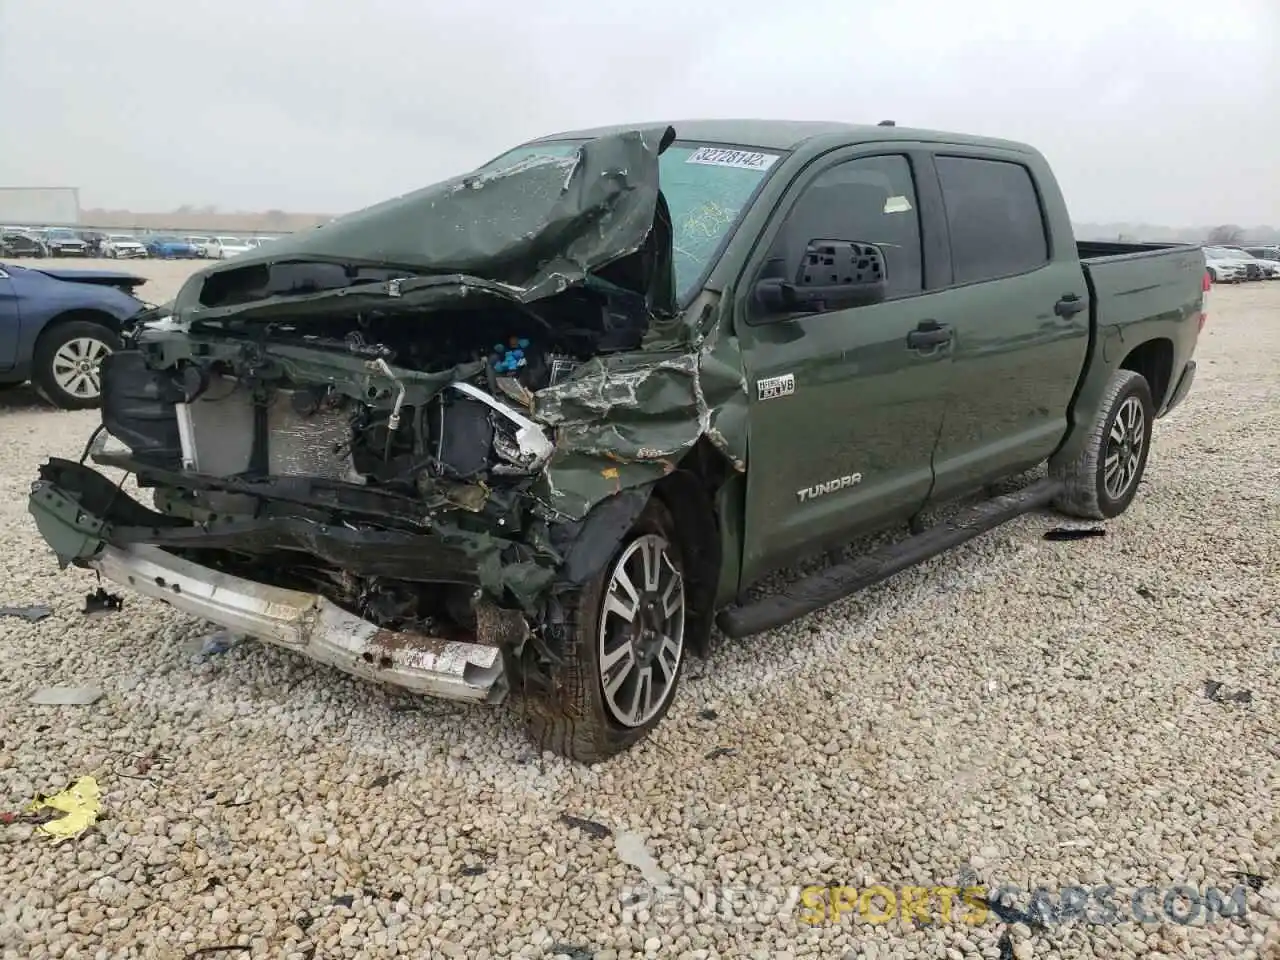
x,y
1165,111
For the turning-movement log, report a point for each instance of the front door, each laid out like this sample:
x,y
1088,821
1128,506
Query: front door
x,y
844,414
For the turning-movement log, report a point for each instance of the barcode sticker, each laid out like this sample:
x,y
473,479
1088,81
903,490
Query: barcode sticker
x,y
742,159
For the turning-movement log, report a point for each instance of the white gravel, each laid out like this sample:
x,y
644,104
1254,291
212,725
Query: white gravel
x,y
1017,712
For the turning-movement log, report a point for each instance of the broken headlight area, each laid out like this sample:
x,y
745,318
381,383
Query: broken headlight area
x,y
402,401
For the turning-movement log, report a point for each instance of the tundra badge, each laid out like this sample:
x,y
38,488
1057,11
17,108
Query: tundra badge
x,y
831,486
771,388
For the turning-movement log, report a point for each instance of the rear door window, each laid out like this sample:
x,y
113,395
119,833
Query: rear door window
x,y
994,218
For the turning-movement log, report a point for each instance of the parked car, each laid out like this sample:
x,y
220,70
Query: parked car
x,y
1264,252
170,248
94,241
63,242
1269,258
258,241
22,243
220,248
200,243
57,326
555,472
1254,268
122,246
1225,265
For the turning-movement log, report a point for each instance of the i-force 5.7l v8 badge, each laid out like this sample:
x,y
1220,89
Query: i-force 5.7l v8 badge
x,y
771,388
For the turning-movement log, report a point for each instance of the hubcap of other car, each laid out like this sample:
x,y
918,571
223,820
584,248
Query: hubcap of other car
x,y
1124,448
76,364
641,631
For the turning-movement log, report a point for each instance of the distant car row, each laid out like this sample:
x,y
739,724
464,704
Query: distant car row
x,y
65,242
1239,264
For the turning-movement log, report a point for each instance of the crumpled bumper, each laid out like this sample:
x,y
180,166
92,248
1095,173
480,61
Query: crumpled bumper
x,y
312,626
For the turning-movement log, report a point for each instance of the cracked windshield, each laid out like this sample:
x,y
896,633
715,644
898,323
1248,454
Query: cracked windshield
x,y
706,188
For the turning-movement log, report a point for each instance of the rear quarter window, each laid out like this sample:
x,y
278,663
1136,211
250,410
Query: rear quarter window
x,y
994,218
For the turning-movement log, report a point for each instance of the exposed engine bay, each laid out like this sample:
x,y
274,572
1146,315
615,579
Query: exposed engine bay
x,y
464,432
253,424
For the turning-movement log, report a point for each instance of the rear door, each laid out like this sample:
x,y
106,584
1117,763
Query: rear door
x,y
844,412
1019,305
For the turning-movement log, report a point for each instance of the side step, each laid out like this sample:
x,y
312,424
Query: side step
x,y
836,582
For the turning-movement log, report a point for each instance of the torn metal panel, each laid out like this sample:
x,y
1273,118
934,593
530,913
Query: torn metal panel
x,y
527,231
625,422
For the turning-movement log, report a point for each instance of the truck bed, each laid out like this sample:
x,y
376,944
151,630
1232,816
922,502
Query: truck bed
x,y
1091,250
1147,293
1132,282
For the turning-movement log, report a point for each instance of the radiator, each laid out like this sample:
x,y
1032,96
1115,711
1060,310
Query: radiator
x,y
217,433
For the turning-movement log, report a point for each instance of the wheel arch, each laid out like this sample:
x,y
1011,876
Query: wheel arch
x,y
1153,359
688,493
87,314
690,499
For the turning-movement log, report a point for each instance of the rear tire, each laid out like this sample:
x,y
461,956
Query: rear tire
x,y
595,712
1102,482
67,360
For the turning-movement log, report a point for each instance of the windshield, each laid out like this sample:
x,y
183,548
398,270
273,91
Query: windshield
x,y
63,235
1222,253
706,190
230,241
120,238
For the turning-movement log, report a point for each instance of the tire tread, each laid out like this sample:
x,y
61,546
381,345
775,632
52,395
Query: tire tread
x,y
1079,497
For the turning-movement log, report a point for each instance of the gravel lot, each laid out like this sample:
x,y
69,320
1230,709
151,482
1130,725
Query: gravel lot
x,y
1020,712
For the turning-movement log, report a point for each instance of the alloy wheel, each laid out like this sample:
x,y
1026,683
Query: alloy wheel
x,y
76,367
1124,448
641,637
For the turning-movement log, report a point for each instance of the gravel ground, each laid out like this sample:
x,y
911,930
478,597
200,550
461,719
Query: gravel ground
x,y
1019,712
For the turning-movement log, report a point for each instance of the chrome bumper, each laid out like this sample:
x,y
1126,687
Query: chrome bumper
x,y
312,626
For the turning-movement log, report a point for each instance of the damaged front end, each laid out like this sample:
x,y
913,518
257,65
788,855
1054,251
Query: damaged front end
x,y
394,442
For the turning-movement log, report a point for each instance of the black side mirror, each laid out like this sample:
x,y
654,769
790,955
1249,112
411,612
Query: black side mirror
x,y
832,275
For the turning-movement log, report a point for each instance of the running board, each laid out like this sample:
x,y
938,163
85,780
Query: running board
x,y
836,582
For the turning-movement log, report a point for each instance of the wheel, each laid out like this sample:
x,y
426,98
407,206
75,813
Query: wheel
x,y
1103,480
624,649
1213,275
67,359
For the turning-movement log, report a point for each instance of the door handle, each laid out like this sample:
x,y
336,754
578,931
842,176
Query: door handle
x,y
929,334
1070,305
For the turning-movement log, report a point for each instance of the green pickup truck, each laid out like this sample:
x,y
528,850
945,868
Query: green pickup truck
x,y
536,430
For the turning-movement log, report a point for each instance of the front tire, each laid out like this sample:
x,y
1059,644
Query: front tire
x,y
68,358
1102,482
624,649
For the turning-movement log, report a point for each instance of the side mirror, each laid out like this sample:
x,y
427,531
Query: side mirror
x,y
832,275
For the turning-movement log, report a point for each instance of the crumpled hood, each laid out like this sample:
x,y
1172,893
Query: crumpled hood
x,y
528,231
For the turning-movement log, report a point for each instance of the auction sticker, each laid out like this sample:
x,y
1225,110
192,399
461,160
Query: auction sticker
x,y
724,157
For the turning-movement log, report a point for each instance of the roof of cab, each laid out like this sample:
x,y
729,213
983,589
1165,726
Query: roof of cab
x,y
784,134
